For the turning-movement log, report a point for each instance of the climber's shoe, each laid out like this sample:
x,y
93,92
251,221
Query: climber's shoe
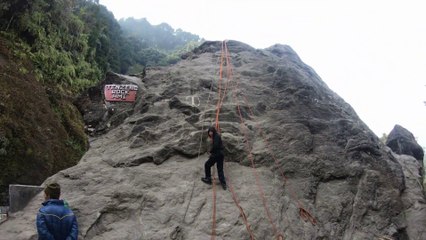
x,y
206,180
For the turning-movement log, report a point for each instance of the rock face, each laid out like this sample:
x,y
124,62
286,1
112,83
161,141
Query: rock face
x,y
413,196
300,164
402,141
100,115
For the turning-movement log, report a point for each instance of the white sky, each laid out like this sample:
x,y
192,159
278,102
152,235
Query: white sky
x,y
370,52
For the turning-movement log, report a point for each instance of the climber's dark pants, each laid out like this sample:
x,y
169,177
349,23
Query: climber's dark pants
x,y
217,158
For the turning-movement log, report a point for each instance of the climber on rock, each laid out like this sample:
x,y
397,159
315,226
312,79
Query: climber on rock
x,y
216,156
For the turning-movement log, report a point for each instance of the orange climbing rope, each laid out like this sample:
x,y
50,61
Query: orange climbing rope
x,y
228,74
218,106
234,195
237,203
250,156
304,214
257,179
213,234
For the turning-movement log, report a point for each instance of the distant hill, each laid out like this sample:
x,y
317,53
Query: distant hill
x,y
161,36
157,44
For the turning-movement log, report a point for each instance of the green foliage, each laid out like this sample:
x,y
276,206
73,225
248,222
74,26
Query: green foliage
x,y
34,140
54,39
174,57
67,46
136,69
151,57
76,146
71,43
161,36
4,143
156,44
104,36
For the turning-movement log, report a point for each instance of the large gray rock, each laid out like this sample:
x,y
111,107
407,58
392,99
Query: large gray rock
x,y
99,115
300,162
413,197
402,141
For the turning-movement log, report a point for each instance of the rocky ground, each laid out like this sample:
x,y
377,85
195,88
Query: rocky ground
x,y
299,163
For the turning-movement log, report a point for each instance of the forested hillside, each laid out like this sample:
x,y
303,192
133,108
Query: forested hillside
x,y
157,44
61,48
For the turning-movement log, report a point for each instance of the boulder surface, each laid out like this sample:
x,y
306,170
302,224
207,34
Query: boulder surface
x,y
299,162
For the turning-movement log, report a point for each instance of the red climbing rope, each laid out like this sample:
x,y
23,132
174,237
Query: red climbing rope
x,y
234,195
222,91
250,156
213,234
304,214
237,203
219,85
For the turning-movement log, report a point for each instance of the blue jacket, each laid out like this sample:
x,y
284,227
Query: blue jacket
x,y
56,221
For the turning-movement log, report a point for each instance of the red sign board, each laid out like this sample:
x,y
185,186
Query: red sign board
x,y
120,92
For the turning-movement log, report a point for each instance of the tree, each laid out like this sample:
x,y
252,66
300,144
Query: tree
x,y
154,44
162,36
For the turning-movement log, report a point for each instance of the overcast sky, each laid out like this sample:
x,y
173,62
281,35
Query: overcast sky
x,y
370,52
